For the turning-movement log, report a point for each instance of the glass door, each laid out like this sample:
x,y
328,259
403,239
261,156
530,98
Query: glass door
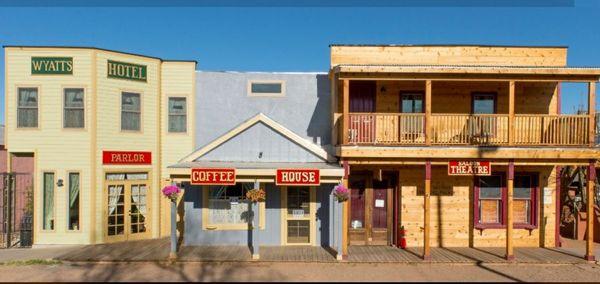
x,y
299,216
127,207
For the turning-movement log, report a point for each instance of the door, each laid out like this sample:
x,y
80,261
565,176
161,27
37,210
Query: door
x,y
380,206
362,105
299,215
370,210
357,233
128,210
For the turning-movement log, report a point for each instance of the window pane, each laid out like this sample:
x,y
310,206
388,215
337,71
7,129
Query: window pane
x,y
130,121
483,104
228,204
73,216
490,193
522,193
490,181
521,212
412,103
27,109
489,211
130,102
74,98
177,106
27,118
28,97
48,202
74,118
266,88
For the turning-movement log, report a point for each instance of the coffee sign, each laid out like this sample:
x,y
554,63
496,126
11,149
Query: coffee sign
x,y
128,71
126,158
207,176
51,65
298,177
469,168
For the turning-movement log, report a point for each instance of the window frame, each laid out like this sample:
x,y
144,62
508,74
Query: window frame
x,y
18,88
206,225
140,130
272,95
533,210
68,187
64,88
187,108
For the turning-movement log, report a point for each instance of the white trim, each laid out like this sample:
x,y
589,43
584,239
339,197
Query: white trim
x,y
313,148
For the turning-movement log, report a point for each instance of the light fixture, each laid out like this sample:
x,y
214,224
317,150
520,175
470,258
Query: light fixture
x,y
59,183
382,89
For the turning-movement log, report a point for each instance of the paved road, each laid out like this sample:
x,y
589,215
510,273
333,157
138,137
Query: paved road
x,y
297,272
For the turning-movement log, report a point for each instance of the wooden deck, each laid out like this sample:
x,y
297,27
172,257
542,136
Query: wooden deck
x,y
158,250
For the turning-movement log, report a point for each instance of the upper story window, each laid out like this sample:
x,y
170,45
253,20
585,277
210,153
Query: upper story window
x,y
412,102
27,108
130,111
74,108
266,88
484,103
177,115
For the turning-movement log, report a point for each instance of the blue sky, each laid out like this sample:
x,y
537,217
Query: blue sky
x,y
297,38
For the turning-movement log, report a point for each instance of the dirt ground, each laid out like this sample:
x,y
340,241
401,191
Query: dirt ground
x,y
232,271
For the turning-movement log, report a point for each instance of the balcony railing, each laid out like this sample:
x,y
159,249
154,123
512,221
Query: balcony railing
x,y
466,129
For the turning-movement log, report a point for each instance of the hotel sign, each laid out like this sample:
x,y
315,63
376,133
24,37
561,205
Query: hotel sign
x,y
126,158
51,65
206,176
298,177
128,71
469,168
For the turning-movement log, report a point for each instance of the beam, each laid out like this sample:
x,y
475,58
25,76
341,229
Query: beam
x,y
428,124
462,77
589,242
557,209
345,213
592,112
511,113
509,211
345,110
426,218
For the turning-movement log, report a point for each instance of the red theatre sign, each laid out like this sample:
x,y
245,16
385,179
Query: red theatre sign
x,y
469,168
206,176
126,158
298,177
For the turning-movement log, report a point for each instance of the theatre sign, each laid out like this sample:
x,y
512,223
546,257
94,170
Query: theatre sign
x,y
469,168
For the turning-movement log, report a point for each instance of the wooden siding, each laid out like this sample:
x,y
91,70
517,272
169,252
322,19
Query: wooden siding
x,y
449,55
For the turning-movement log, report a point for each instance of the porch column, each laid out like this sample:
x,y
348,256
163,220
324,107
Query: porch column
x,y
509,211
589,244
426,205
428,124
592,112
345,212
511,113
255,226
345,110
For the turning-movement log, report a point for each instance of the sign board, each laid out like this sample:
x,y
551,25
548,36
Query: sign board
x,y
207,176
51,65
128,71
126,158
298,177
547,195
469,168
379,203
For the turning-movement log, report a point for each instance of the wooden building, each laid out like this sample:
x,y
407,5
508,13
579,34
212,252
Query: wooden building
x,y
458,145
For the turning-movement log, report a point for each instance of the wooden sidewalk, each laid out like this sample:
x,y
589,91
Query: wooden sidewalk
x,y
158,250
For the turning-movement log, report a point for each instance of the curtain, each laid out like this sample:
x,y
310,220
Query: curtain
x,y
177,115
74,111
114,193
73,188
28,108
130,111
48,201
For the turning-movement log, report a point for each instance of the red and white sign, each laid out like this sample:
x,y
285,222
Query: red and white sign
x,y
207,176
126,158
298,177
469,168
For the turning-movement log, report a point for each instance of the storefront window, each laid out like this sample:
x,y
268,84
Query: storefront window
x,y
73,109
73,212
48,202
27,109
130,111
177,115
228,204
523,196
490,200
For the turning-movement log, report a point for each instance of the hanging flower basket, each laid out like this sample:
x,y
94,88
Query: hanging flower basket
x,y
341,193
256,195
171,192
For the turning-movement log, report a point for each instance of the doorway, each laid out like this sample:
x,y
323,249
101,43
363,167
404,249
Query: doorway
x,y
127,206
371,209
298,215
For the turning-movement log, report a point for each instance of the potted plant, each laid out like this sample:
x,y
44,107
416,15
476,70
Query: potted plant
x,y
341,193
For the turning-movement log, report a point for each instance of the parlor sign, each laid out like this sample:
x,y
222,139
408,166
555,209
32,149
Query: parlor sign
x,y
126,158
298,177
208,176
51,65
469,168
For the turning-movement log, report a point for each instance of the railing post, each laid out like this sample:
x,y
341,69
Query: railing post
x,y
511,113
428,124
345,110
591,113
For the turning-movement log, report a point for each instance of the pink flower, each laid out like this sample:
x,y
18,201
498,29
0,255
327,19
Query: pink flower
x,y
341,193
171,191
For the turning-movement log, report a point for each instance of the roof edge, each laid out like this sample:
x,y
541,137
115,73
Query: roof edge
x,y
450,45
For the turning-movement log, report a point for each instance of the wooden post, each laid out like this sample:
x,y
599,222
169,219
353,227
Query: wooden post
x,y
345,110
592,112
589,244
428,124
345,212
511,113
509,211
426,205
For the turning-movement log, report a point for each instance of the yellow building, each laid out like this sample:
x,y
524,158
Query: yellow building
x,y
112,111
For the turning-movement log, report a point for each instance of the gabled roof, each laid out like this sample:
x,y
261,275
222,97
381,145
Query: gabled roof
x,y
260,118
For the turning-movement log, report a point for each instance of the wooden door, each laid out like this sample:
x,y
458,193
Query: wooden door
x,y
380,205
362,104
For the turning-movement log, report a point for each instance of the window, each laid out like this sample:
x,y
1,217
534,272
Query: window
x,y
130,111
177,115
73,108
412,103
226,207
27,108
491,201
411,127
266,88
48,202
484,103
483,127
73,213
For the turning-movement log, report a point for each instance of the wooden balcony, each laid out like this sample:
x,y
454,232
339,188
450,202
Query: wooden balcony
x,y
466,129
